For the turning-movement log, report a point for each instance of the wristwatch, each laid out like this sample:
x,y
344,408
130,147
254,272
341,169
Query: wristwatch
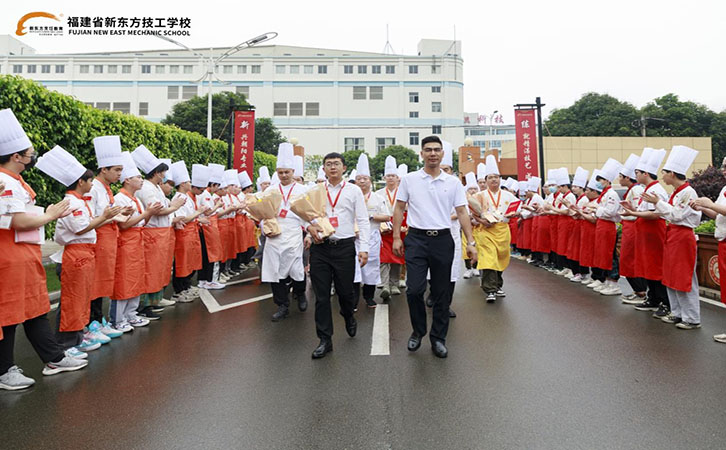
x,y
473,244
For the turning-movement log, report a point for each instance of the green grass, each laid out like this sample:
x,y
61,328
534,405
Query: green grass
x,y
51,278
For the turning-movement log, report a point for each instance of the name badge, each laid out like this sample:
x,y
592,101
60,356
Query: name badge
x,y
334,221
5,222
283,213
77,213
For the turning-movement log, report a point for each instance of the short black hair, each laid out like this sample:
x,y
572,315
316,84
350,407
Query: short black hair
x,y
334,155
428,139
160,168
598,178
678,175
6,158
87,175
653,176
569,186
212,184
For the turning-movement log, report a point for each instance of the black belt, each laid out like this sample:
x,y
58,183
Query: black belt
x,y
430,233
338,241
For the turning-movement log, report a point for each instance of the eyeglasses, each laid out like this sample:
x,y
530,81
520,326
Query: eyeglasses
x,y
333,164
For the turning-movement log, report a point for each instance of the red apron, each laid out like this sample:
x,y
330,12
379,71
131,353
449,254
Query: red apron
x,y
681,248
587,243
650,237
229,238
525,239
573,241
627,249
250,229
543,235
77,271
722,268
606,234
513,230
213,240
187,251
240,235
564,233
156,256
554,235
129,281
387,256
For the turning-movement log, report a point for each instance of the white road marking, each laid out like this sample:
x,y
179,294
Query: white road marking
x,y
213,306
713,302
231,283
380,344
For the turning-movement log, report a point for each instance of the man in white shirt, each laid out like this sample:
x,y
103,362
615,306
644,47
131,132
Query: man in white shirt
x,y
333,258
430,194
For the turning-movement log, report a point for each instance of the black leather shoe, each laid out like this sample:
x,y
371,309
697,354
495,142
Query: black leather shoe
x,y
302,303
429,301
322,349
452,314
351,326
439,349
414,342
281,313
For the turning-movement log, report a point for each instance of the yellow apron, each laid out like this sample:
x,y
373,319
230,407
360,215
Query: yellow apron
x,y
492,246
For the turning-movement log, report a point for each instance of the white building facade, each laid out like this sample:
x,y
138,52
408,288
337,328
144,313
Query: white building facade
x,y
330,100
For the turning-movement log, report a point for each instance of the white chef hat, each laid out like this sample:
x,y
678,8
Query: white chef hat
x,y
643,161
390,168
492,167
363,167
12,136
448,158
353,174
61,165
244,179
144,159
130,169
321,174
471,181
200,175
550,180
230,176
680,159
264,175
285,156
522,186
533,184
580,178
655,159
562,177
402,170
631,163
592,184
611,169
108,151
481,171
275,179
179,172
217,173
298,165
168,176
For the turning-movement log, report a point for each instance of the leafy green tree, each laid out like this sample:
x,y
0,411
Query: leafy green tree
x,y
191,115
403,155
267,137
594,115
350,158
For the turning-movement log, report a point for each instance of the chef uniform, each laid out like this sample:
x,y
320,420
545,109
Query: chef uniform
x,y
606,230
573,246
187,247
530,220
627,239
210,235
565,222
390,263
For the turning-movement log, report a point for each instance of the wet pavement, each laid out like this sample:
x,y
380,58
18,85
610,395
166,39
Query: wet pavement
x,y
553,365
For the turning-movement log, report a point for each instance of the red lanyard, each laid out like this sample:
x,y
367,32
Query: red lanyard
x,y
673,195
108,192
368,197
126,193
391,201
579,198
499,198
333,203
194,198
289,193
78,196
603,193
646,190
25,185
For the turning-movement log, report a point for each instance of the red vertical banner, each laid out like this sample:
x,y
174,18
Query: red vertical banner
x,y
526,129
244,141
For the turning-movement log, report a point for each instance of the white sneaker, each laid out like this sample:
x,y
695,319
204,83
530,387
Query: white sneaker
x,y
96,336
123,327
720,338
203,284
601,288
65,365
184,297
587,279
14,380
467,274
215,285
138,322
164,303
395,290
595,284
401,284
577,278
611,290
75,353
476,272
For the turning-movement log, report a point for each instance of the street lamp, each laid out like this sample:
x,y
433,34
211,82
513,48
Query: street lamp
x,y
491,119
212,63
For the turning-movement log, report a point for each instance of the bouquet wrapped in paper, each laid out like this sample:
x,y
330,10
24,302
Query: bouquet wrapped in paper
x,y
310,207
475,206
265,208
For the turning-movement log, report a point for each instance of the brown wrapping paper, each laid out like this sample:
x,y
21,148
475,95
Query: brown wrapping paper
x,y
310,207
265,208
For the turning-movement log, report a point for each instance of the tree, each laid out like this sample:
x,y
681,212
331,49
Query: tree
x,y
594,115
267,136
191,115
350,158
403,155
708,182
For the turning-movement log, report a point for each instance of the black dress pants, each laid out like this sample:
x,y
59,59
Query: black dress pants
x,y
41,338
207,270
332,262
436,253
281,290
657,293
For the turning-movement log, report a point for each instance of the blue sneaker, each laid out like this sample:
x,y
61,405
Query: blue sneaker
x,y
96,335
108,330
75,353
88,345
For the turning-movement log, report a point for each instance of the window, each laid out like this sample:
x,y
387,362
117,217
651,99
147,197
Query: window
x,y
17,68
241,69
436,129
227,69
413,97
97,68
188,69
112,69
376,93
382,143
390,69
412,138
172,92
435,69
124,107
359,92
435,106
244,90
413,114
145,68
412,69
188,92
84,68
308,69
143,108
436,89
126,68
174,68
296,109
280,69
347,69
31,68
362,69
159,69
104,106
279,109
495,144
256,68
322,69
375,69
45,68
295,69
312,109
354,144
60,68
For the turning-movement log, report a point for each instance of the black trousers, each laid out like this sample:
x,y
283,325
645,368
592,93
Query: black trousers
x,y
638,284
281,290
332,263
491,280
423,253
96,310
41,338
657,293
207,270
181,284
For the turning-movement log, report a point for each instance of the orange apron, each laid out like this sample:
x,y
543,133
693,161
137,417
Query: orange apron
x,y
681,248
251,233
240,230
156,257
171,249
213,240
77,272
229,238
105,267
129,281
188,250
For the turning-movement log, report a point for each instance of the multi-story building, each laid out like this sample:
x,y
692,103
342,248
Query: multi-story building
x,y
330,100
487,136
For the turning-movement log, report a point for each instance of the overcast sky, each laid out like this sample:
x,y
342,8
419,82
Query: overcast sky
x,y
513,51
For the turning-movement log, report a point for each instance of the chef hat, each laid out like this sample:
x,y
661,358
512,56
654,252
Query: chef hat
x,y
533,184
471,181
492,167
611,169
390,168
448,158
631,163
550,180
363,167
561,176
643,161
298,165
680,159
264,175
130,169
200,175
592,184
275,179
230,176
179,172
108,151
353,174
168,176
513,185
655,159
12,136
580,178
522,186
285,156
244,179
144,159
481,171
217,173
402,170
61,165
321,174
